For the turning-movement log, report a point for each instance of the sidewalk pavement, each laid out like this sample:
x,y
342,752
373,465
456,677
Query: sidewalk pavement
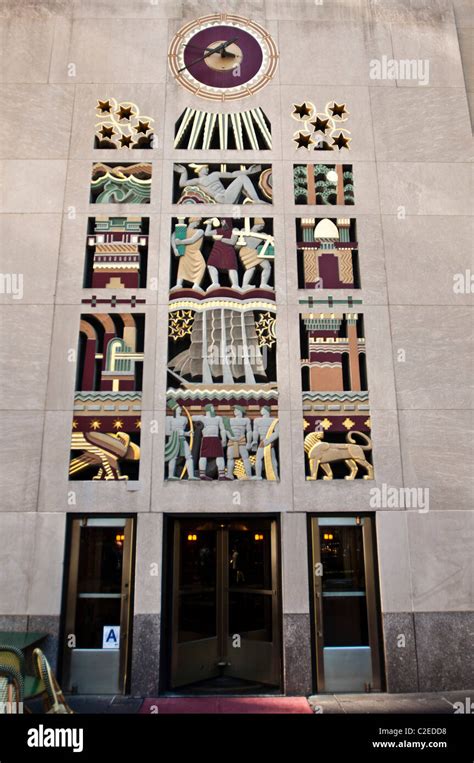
x,y
376,703
437,703
228,705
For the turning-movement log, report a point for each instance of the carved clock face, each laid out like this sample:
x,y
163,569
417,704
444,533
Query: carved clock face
x,y
223,57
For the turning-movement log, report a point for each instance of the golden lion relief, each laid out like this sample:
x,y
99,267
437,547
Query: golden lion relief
x,y
321,454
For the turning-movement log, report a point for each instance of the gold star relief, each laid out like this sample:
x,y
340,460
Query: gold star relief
x,y
302,111
142,127
180,324
125,141
368,424
326,424
95,424
125,112
320,125
265,330
338,110
118,424
106,131
305,424
348,423
75,424
104,106
341,141
138,424
303,140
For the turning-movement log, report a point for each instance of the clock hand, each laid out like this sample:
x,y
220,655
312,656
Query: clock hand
x,y
210,53
213,50
225,45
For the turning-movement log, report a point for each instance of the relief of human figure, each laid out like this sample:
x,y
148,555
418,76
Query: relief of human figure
x,y
223,257
265,434
192,264
212,443
239,442
248,255
211,182
176,430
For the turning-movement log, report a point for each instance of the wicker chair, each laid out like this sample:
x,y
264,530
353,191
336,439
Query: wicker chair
x,y
14,657
53,698
11,655
11,690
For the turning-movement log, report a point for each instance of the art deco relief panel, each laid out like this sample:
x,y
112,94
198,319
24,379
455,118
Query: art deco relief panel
x,y
323,184
321,130
114,183
116,252
199,183
106,425
242,130
222,397
336,412
328,253
222,392
121,126
222,388
105,440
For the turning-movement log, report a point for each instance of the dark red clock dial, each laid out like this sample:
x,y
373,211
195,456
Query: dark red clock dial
x,y
248,67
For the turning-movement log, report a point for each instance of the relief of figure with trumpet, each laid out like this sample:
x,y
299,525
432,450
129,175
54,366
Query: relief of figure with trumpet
x,y
217,252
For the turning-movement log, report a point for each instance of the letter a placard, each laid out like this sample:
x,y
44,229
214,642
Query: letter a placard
x,y
111,637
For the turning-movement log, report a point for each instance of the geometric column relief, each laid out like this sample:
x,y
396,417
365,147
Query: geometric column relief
x,y
105,438
336,411
222,397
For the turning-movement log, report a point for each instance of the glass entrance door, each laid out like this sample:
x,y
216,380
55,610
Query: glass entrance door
x,y
98,605
225,602
345,605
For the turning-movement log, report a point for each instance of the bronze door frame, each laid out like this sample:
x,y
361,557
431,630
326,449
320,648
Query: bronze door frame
x,y
126,609
371,587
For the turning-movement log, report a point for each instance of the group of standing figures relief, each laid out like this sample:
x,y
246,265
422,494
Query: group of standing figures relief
x,y
250,245
225,439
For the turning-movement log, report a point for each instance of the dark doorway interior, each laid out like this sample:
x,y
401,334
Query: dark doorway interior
x,y
223,606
